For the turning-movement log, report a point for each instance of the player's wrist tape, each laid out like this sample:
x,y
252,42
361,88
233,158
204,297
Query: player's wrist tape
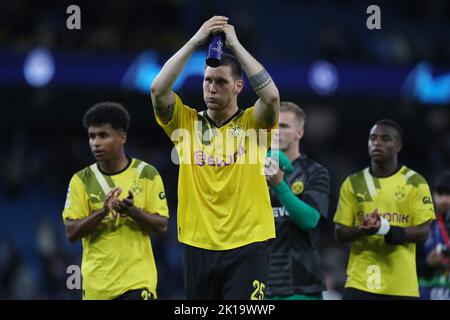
x,y
396,235
384,227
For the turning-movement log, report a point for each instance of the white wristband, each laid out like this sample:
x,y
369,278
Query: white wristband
x,y
384,227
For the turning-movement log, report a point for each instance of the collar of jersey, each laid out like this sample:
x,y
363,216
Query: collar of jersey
x,y
211,121
130,160
400,166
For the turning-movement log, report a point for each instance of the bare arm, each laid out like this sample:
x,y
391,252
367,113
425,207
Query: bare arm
x,y
149,223
78,229
267,106
345,233
418,234
161,90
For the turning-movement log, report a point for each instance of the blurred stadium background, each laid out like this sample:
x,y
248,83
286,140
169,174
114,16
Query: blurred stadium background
x,y
320,54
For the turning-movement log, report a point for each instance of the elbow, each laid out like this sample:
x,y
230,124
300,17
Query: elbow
x,y
274,100
72,240
271,99
422,238
161,229
423,234
338,234
154,89
71,237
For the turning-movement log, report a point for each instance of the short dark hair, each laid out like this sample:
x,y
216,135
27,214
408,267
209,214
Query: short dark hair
x,y
230,60
441,184
392,124
112,113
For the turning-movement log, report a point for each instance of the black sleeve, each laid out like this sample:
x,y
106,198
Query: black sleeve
x,y
317,192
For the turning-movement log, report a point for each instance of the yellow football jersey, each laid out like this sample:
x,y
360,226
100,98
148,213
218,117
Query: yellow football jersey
x,y
118,256
403,199
223,198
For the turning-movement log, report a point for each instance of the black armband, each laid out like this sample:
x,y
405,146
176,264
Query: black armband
x,y
396,235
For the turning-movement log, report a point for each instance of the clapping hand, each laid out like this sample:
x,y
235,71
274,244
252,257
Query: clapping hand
x,y
371,224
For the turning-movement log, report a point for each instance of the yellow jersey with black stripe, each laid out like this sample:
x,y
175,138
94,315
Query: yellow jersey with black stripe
x,y
223,198
118,256
403,199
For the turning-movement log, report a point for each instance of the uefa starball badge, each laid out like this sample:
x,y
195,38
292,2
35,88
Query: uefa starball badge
x,y
215,50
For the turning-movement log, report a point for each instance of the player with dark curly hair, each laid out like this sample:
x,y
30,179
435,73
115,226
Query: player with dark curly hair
x,y
118,260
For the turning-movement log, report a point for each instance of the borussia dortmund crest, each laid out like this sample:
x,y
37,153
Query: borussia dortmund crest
x,y
400,193
297,187
235,130
136,188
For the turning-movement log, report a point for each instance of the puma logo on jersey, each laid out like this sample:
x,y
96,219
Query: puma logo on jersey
x,y
92,196
361,197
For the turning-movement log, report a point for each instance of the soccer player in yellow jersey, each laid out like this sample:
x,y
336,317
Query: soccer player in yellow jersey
x,y
118,260
224,212
384,210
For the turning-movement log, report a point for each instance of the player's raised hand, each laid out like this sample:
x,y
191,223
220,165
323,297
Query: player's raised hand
x,y
212,26
231,39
